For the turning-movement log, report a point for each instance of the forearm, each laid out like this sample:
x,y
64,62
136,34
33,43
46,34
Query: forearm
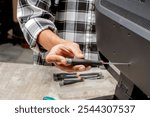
x,y
33,19
48,39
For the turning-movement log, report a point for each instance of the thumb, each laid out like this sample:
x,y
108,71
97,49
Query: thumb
x,y
55,58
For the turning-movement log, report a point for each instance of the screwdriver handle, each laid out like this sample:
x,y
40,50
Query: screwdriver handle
x,y
67,82
76,61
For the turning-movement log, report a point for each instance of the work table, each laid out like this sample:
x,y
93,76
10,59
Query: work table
x,y
33,82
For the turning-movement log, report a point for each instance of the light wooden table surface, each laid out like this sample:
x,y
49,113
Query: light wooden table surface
x,y
32,82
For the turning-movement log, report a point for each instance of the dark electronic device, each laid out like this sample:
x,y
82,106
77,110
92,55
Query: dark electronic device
x,y
123,36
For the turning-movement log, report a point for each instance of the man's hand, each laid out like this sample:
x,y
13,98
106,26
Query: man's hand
x,y
59,49
67,49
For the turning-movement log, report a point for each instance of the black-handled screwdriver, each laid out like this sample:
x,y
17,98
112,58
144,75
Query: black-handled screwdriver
x,y
70,81
76,61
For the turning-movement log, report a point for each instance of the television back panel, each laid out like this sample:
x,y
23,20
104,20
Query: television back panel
x,y
123,35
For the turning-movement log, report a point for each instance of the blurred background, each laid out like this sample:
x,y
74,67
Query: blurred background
x,y
13,47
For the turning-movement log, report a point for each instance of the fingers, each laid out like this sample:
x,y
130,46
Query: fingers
x,y
77,68
76,50
80,68
58,54
65,52
71,69
55,58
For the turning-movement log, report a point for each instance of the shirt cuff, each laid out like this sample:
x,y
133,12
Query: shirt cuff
x,y
34,26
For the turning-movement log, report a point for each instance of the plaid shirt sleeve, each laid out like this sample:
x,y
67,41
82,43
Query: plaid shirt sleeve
x,y
35,16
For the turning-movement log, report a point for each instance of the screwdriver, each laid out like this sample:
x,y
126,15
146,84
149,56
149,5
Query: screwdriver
x,y
70,81
76,61
62,76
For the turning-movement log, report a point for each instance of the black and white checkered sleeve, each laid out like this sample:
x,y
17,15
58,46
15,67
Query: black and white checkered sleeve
x,y
34,16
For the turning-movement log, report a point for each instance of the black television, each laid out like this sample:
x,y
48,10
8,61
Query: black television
x,y
123,36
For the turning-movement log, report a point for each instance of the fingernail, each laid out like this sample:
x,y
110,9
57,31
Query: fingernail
x,y
80,55
63,61
82,68
88,68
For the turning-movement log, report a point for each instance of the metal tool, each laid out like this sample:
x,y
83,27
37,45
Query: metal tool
x,y
61,76
70,81
96,75
76,61
71,76
92,77
90,74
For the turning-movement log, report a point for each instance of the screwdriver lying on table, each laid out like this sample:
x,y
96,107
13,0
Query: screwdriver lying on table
x,y
62,76
76,61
